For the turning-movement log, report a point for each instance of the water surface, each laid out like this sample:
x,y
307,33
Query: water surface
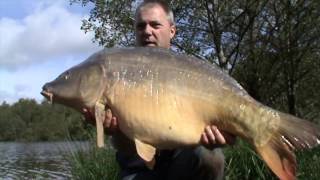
x,y
43,160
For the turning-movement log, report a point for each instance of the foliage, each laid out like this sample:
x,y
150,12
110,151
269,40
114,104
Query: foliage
x,y
26,120
281,56
206,29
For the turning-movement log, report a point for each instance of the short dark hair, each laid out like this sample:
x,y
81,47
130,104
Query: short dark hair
x,y
165,6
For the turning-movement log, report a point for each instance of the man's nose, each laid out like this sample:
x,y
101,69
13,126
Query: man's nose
x,y
148,30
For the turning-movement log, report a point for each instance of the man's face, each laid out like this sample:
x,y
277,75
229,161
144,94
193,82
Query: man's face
x,y
153,28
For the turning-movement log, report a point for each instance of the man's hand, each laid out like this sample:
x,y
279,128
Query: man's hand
x,y
89,116
110,122
212,137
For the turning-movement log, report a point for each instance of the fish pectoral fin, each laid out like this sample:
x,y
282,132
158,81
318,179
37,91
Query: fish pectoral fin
x,y
146,152
100,116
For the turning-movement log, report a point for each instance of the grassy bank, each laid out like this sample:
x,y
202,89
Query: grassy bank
x,y
241,163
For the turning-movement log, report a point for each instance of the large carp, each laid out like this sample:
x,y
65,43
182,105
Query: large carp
x,y
164,100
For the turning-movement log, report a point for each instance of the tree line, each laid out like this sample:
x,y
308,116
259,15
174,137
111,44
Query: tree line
x,y
27,120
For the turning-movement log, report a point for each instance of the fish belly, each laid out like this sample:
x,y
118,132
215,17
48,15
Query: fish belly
x,y
162,119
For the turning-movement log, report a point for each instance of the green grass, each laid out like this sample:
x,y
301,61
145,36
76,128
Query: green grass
x,y
241,163
94,164
309,164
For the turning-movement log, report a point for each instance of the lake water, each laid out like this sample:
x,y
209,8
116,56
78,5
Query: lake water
x,y
45,160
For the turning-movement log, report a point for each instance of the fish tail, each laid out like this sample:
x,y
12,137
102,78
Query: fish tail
x,y
293,134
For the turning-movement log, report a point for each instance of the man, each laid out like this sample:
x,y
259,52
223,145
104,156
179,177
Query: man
x,y
154,27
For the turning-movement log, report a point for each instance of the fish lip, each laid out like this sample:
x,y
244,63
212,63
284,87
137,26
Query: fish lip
x,y
47,95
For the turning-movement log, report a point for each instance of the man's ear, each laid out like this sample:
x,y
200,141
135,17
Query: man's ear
x,y
172,31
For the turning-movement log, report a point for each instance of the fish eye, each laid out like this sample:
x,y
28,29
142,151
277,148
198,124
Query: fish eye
x,y
67,75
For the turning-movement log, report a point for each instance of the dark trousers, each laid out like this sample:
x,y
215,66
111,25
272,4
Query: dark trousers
x,y
181,164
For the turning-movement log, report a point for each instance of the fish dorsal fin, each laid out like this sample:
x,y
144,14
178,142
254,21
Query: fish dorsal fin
x,y
146,152
99,113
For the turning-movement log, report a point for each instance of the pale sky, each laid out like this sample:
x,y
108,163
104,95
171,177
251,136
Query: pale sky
x,y
39,39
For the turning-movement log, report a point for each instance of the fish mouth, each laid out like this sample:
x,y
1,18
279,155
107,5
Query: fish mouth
x,y
47,95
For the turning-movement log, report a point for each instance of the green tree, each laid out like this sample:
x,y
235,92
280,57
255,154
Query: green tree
x,y
26,120
11,125
207,29
281,62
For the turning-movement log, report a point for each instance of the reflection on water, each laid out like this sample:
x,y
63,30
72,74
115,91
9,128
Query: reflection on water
x,y
37,160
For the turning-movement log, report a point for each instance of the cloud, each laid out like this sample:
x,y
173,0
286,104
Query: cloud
x,y
11,97
50,31
27,82
6,97
39,40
